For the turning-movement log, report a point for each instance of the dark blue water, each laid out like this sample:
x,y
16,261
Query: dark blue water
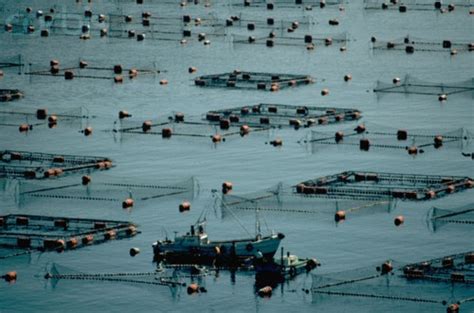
x,y
248,162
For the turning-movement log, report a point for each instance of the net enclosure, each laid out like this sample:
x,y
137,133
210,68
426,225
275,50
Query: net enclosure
x,y
42,117
50,233
417,5
457,216
374,185
413,141
282,115
117,191
253,80
10,95
412,85
391,282
310,41
31,165
288,4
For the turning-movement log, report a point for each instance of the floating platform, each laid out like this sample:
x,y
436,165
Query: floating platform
x,y
253,80
50,233
410,141
37,165
10,95
281,115
373,185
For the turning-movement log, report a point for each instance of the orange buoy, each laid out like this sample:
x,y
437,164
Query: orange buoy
x,y
132,73
387,267
124,114
399,220
163,82
396,81
184,206
192,69
430,194
469,183
277,142
324,92
339,136
450,189
340,216
110,235
443,97
49,173
134,251
146,126
118,79
103,32
131,231
193,288
83,64
265,291
52,119
166,132
438,141
216,138
453,308
10,276
24,128
72,243
86,180
360,128
328,41
413,150
244,130
88,131
226,187
127,203
87,240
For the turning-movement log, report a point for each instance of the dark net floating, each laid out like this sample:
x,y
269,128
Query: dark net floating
x,y
43,117
411,44
287,4
417,5
31,165
459,216
10,95
253,80
374,185
379,138
387,282
282,115
114,190
11,61
326,40
189,127
412,85
282,199
50,233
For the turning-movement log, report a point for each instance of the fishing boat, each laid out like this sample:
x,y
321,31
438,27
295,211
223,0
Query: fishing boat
x,y
196,247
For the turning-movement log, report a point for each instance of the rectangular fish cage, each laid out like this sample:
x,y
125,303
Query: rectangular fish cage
x,y
82,69
412,85
417,5
282,115
387,284
288,4
379,138
42,118
411,44
109,191
253,80
187,127
238,22
51,233
310,41
37,165
445,217
373,185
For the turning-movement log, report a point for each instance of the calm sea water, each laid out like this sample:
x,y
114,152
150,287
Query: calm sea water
x,y
248,162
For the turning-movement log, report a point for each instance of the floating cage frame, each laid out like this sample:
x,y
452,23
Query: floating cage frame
x,y
36,165
412,141
308,41
253,80
282,115
50,233
192,127
13,61
412,85
416,5
10,95
373,185
411,45
288,4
